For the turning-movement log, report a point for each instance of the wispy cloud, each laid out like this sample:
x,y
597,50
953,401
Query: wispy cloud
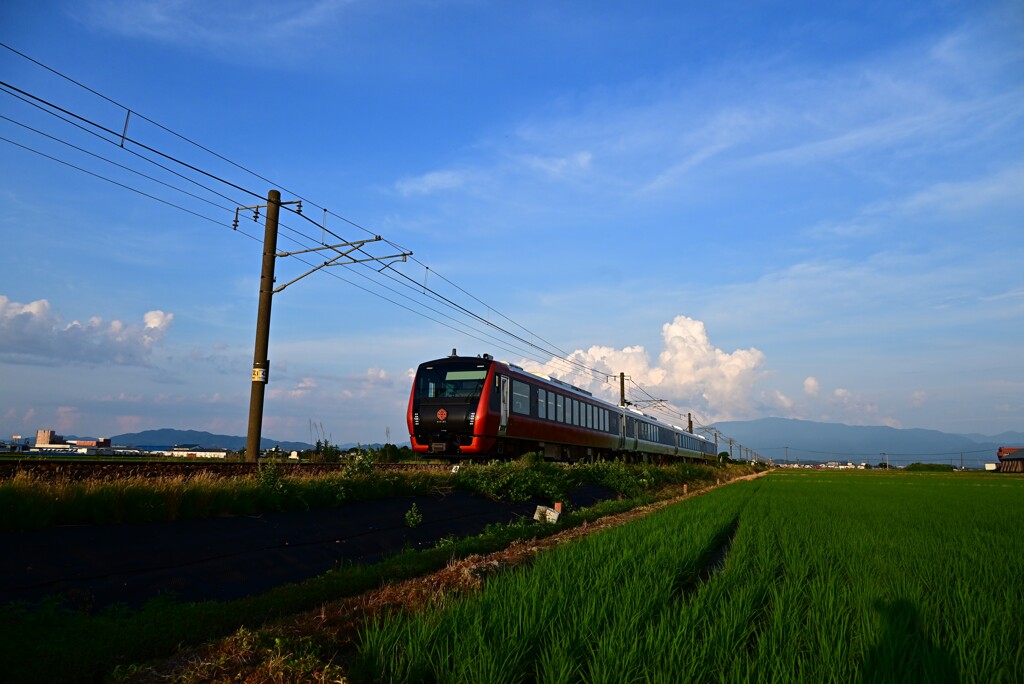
x,y
225,26
954,200
743,118
559,167
429,183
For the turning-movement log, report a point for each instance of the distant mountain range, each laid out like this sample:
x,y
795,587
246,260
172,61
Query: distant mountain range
x,y
167,438
810,441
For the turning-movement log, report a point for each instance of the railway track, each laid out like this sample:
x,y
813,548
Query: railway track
x,y
116,469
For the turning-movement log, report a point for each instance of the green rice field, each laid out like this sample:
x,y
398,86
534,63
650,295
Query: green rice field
x,y
797,576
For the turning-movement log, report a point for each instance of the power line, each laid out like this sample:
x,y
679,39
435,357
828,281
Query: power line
x,y
125,139
114,182
529,347
114,163
53,108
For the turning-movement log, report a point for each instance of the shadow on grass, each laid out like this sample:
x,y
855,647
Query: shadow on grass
x,y
905,653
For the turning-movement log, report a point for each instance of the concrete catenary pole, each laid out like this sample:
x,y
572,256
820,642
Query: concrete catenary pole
x,y
260,362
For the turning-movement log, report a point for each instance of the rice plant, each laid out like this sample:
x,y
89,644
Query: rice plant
x,y
835,578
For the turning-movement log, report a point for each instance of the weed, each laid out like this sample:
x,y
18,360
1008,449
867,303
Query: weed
x,y
413,517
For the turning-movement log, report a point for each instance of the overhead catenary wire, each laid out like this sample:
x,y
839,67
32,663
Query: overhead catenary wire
x,y
125,186
550,353
51,107
124,138
117,183
114,163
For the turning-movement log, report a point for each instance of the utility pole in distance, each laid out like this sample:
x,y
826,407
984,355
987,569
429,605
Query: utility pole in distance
x,y
260,362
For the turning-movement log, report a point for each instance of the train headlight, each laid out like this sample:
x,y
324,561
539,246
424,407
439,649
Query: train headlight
x,y
472,418
416,418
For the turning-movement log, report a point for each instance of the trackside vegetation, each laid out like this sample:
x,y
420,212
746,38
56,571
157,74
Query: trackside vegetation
x,y
28,502
93,644
799,576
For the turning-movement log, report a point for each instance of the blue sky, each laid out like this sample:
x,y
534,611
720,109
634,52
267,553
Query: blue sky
x,y
794,209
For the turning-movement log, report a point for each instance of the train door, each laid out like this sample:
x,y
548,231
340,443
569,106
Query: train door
x,y
503,420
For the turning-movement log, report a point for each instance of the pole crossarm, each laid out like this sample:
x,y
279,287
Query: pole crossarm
x,y
648,402
254,208
352,247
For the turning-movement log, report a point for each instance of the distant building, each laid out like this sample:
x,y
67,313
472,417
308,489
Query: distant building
x,y
17,445
196,451
48,441
1011,459
101,443
49,438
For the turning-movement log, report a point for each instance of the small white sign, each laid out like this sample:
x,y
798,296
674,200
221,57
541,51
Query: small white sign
x,y
260,375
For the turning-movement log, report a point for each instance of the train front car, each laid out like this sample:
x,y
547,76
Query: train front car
x,y
448,406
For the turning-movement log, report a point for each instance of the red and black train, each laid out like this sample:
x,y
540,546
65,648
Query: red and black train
x,y
476,407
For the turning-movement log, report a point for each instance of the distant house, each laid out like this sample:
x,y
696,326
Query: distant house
x,y
1011,459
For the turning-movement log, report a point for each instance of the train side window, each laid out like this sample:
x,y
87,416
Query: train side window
x,y
520,398
551,405
560,408
590,415
575,412
542,404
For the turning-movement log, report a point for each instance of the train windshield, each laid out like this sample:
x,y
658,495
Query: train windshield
x,y
464,379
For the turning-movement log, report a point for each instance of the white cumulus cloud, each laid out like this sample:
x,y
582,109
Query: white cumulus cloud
x,y
811,386
32,333
690,373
